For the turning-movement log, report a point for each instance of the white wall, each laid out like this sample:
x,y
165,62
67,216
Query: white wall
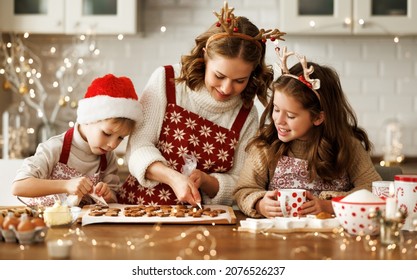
x,y
8,172
379,76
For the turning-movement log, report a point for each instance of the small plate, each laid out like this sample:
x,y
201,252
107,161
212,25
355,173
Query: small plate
x,y
257,224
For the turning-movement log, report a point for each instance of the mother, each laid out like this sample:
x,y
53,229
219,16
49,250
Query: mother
x,y
203,108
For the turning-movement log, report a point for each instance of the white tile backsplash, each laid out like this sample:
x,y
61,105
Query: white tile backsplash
x,y
379,77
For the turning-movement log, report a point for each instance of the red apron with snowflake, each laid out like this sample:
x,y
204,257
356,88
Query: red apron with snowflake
x,y
292,173
62,171
185,133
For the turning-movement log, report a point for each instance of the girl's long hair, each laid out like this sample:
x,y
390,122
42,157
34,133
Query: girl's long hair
x,y
329,151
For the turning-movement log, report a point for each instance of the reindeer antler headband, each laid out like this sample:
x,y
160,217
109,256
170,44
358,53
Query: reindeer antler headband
x,y
313,84
229,22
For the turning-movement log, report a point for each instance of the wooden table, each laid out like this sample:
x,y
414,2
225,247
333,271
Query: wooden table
x,y
175,241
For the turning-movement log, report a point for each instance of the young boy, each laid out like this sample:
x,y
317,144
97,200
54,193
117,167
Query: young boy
x,y
81,161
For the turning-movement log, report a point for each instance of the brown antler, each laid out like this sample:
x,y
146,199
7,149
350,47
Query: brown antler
x,y
227,19
274,34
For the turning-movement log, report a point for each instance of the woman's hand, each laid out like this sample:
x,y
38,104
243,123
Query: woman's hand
x,y
269,206
186,190
204,182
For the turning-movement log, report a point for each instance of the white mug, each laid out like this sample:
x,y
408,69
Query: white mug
x,y
383,188
406,195
292,197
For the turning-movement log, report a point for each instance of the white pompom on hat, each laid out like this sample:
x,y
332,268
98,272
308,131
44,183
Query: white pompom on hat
x,y
109,97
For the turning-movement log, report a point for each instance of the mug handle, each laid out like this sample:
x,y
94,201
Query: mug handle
x,y
283,204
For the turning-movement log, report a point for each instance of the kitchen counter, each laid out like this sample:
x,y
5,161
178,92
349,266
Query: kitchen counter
x,y
191,241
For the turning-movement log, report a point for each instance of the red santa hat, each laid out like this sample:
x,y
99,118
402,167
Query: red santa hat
x,y
109,97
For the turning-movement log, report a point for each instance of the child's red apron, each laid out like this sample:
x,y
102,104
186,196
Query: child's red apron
x,y
184,132
62,171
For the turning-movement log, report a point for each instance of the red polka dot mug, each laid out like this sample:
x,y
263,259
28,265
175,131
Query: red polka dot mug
x,y
293,198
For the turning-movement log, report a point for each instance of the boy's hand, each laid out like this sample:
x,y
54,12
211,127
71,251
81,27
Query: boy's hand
x,y
103,190
79,186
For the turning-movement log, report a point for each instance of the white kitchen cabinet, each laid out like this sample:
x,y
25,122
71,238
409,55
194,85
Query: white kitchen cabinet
x,y
338,17
69,16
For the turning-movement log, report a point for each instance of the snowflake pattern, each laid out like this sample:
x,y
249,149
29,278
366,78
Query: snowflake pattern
x,y
184,132
131,180
208,164
166,131
194,140
175,117
179,134
292,173
164,195
208,148
220,137
223,155
190,123
205,131
182,151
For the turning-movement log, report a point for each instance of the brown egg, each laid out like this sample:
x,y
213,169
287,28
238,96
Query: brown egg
x,y
10,220
25,224
1,221
38,222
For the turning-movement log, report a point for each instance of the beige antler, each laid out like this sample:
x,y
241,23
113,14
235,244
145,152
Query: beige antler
x,y
315,83
283,58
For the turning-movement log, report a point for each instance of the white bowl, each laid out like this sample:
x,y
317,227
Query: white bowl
x,y
354,216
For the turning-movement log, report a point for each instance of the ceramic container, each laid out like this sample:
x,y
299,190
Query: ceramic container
x,y
405,188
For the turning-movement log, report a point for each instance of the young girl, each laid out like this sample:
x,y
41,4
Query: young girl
x,y
309,139
81,161
202,108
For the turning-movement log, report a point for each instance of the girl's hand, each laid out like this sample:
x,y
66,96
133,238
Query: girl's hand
x,y
314,205
103,190
269,206
79,186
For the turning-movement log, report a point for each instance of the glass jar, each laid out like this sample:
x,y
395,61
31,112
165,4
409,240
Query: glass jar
x,y
392,142
15,122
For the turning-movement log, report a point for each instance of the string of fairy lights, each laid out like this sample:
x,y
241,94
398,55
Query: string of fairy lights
x,y
198,243
22,68
49,79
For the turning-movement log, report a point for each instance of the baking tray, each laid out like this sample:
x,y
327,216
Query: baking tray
x,y
228,217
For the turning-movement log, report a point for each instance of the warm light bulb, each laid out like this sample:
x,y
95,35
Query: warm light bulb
x,y
312,23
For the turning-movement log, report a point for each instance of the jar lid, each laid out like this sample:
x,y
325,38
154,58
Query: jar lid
x,y
406,178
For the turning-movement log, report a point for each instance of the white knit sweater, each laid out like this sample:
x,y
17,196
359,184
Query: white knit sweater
x,y
142,151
